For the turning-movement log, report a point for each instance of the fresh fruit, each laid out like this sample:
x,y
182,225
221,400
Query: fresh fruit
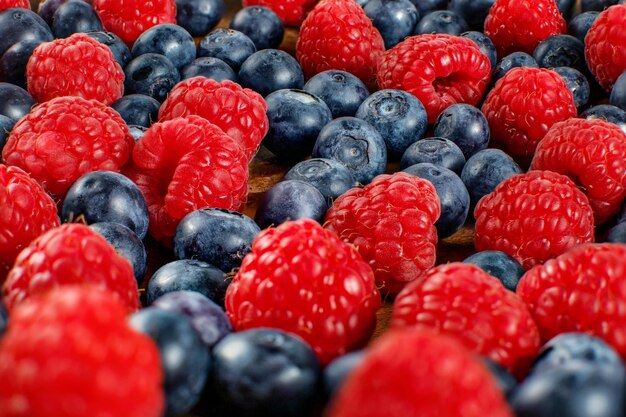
x,y
608,113
231,46
464,125
17,25
198,17
75,16
394,19
169,40
577,84
6,4
261,25
340,90
513,60
485,44
14,61
290,12
499,265
137,109
561,51
473,12
437,151
209,67
269,70
617,233
118,48
604,46
126,243
151,74
441,21
505,380
579,25
618,93
336,372
330,177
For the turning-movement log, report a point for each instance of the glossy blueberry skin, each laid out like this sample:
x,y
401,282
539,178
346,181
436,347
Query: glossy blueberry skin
x,y
15,102
596,5
618,93
270,70
607,112
47,8
437,151
151,74
169,40
580,24
338,370
231,46
13,62
209,67
466,126
340,90
485,44
120,51
261,25
185,360
473,12
505,380
426,6
617,234
75,16
4,319
137,109
198,17
560,51
514,60
500,265
17,25
126,243
354,143
565,7
577,84
331,178
394,19
6,125
441,21
264,372
398,116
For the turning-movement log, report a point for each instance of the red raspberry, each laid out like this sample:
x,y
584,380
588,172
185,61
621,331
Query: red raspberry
x,y
185,164
583,290
533,217
520,25
71,353
74,66
605,46
440,70
71,254
302,279
66,137
291,12
523,105
590,152
6,4
414,373
391,221
240,112
338,35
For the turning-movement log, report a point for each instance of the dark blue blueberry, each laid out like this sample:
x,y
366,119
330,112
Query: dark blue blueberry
x,y
560,51
290,200
607,112
105,196
261,25
437,151
17,25
295,119
338,370
618,93
75,16
151,74
505,380
426,6
394,19
209,67
137,132
216,236
198,17
13,62
441,21
596,5
120,51
466,126
577,84
617,234
185,360
206,317
485,44
399,117
6,125
4,319
473,12
137,109
270,70
500,265
127,244
340,90
580,24
264,372
15,102
47,8
622,216
169,40
331,178
514,60
231,46
565,7
354,143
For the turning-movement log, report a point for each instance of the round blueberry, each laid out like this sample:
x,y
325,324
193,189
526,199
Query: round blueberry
x,y
617,234
608,113
261,25
198,17
485,44
137,109
151,74
596,5
169,40
580,24
338,370
331,178
209,67
466,126
505,380
15,102
270,70
514,60
47,8
120,51
137,132
17,25
500,265
473,12
426,6
565,7
13,62
75,16
560,51
231,46
441,21
577,84
4,319
394,19
6,125
618,93
340,90
437,151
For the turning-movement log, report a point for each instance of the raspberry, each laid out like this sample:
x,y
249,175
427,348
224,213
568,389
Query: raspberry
x,y
302,279
591,153
66,137
520,25
71,254
533,217
240,112
523,105
415,373
6,4
582,290
290,12
337,35
70,353
391,221
185,164
605,46
74,66
462,300
440,70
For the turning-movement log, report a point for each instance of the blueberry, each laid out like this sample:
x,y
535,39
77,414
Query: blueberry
x,y
399,117
290,200
596,5
441,21
209,67
198,17
606,112
17,25
6,125
270,70
617,234
331,178
264,372
206,317
621,218
500,265
137,132
126,244
295,119
120,51
506,382
231,46
137,109
13,62
47,8
261,25
169,40
185,360
4,319
426,6
437,151
473,12
75,16
394,19
580,24
560,51
485,44
354,143
15,102
340,90
577,84
151,74
466,126
338,370
618,93
565,7
514,60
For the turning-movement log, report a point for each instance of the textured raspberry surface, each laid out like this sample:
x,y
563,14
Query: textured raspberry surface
x,y
519,25
291,12
71,254
605,46
66,137
523,105
415,373
70,353
6,4
74,66
534,217
463,301
185,164
338,35
391,223
239,112
440,70
592,153
301,278
582,290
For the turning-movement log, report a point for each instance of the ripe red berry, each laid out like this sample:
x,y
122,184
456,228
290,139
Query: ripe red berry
x,y
605,46
71,353
6,4
391,222
291,12
302,279
439,69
